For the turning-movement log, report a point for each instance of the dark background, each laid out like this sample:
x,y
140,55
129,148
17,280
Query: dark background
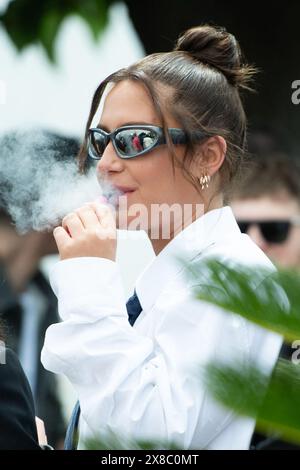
x,y
269,37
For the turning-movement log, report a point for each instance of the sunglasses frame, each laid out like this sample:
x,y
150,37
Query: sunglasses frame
x,y
178,137
259,223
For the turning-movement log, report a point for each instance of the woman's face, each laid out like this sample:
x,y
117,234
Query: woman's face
x,y
150,176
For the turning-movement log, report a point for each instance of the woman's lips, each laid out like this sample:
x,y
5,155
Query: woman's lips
x,y
116,197
128,192
125,195
124,190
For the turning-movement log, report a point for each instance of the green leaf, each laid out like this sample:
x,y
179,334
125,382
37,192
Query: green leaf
x,y
274,402
113,441
30,22
49,28
95,14
269,299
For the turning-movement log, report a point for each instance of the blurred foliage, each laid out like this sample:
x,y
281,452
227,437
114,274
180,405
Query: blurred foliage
x,y
114,441
274,402
271,300
30,22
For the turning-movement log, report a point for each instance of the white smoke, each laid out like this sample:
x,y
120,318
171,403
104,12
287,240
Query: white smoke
x,y
39,185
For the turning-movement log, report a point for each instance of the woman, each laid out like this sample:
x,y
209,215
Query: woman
x,y
140,382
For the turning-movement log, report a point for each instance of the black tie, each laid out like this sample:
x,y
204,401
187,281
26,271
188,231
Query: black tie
x,y
133,309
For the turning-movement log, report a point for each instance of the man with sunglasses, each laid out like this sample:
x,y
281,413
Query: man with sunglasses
x,y
266,205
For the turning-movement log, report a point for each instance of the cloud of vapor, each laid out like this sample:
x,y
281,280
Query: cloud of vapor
x,y
39,179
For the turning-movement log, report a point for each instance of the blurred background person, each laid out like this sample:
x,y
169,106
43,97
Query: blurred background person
x,y
17,414
27,303
266,204
23,430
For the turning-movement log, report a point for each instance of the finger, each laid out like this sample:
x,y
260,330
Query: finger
x,y
87,216
106,233
73,224
41,432
105,215
61,237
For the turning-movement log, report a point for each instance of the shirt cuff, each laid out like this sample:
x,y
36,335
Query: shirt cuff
x,y
88,288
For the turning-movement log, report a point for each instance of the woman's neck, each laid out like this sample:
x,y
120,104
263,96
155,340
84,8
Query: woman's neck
x,y
160,240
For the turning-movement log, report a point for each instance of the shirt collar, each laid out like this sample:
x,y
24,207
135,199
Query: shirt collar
x,y
189,243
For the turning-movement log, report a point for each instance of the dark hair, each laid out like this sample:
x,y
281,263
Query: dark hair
x,y
204,75
270,171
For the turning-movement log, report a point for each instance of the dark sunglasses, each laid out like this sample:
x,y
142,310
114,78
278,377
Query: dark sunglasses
x,y
134,140
273,231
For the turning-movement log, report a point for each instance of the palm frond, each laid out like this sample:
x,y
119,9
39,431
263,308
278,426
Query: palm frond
x,y
269,299
274,402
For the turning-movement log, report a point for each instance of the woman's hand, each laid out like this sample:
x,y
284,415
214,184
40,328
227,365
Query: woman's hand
x,y
89,231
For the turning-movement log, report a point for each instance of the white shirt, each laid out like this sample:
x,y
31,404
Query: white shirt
x,y
143,381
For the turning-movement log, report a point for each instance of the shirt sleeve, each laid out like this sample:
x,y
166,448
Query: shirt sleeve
x,y
97,349
139,385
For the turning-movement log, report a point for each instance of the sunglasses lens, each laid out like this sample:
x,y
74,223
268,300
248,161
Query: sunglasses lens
x,y
272,231
275,232
96,145
132,142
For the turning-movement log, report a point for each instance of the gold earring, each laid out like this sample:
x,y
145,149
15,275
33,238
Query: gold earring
x,y
204,180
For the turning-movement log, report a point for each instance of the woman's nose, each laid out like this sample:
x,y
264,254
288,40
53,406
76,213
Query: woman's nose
x,y
109,160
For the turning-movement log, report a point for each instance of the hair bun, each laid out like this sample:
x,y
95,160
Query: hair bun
x,y
217,48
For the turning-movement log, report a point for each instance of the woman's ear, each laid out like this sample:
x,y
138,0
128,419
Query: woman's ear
x,y
212,154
